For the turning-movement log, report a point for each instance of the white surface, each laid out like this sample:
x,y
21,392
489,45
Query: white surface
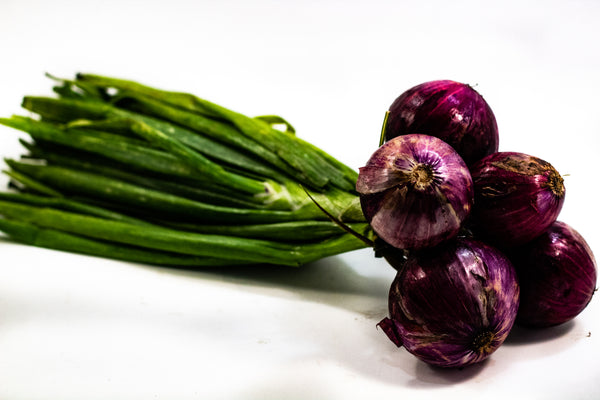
x,y
75,327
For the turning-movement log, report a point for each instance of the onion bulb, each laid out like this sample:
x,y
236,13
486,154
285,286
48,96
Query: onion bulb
x,y
451,111
557,273
415,191
453,305
517,197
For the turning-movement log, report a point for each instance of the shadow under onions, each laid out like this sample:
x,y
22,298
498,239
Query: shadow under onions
x,y
429,376
330,281
361,287
520,335
403,369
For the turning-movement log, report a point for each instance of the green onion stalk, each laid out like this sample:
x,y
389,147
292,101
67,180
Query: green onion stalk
x,y
117,169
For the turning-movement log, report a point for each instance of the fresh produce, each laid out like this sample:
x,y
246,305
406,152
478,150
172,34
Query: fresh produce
x,y
453,305
557,274
517,197
117,169
122,170
415,191
449,110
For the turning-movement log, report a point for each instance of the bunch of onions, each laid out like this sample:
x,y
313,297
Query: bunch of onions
x,y
460,233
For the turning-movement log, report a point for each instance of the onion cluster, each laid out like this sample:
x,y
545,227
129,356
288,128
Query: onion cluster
x,y
472,232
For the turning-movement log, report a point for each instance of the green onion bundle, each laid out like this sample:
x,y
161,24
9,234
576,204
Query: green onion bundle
x,y
117,169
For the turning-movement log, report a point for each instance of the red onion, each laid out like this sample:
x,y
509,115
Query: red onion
x,y
451,111
453,305
415,191
517,197
557,274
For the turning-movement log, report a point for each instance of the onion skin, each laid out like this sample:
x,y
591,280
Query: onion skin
x,y
453,305
449,110
415,191
517,197
557,273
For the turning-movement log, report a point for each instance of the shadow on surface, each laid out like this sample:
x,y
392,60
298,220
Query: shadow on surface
x,y
429,376
522,336
355,282
360,286
330,281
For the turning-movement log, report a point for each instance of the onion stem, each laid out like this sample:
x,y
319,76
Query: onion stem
x,y
384,128
203,245
122,170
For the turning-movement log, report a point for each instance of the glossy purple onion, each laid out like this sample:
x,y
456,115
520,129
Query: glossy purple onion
x,y
453,305
517,197
557,273
415,191
451,111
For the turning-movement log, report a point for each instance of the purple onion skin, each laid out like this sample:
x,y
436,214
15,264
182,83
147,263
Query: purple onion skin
x,y
454,305
517,197
557,273
451,111
415,191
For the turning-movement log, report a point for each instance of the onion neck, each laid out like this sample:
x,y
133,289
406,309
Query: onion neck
x,y
556,184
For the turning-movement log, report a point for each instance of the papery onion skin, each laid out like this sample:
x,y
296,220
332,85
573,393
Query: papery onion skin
x,y
449,110
453,305
415,191
517,197
557,272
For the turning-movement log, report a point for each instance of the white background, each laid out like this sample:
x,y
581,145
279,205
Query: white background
x,y
75,327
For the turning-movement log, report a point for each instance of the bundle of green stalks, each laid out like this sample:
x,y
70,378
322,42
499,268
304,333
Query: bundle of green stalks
x,y
117,169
